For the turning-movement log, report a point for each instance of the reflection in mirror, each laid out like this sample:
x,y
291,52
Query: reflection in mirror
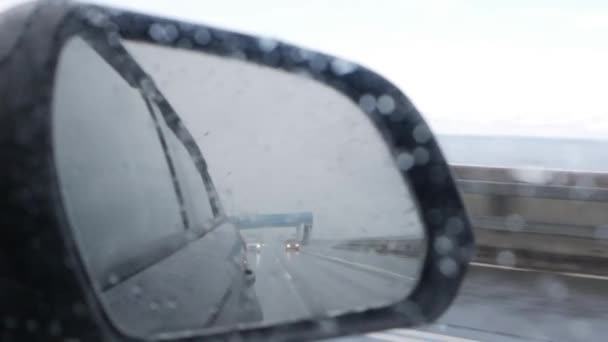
x,y
288,206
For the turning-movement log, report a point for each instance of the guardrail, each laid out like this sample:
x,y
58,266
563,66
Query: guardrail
x,y
540,219
534,218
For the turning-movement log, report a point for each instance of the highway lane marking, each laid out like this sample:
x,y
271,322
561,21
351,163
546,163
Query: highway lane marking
x,y
363,266
290,285
430,335
531,270
408,335
393,338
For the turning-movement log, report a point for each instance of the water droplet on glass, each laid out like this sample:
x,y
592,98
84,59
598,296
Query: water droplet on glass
x,y
10,322
238,54
149,89
317,63
31,325
163,33
113,279
386,104
532,175
171,304
443,245
506,258
267,44
422,134
421,155
341,67
515,222
55,328
136,290
448,267
202,36
327,326
405,161
153,305
113,39
553,287
367,102
95,17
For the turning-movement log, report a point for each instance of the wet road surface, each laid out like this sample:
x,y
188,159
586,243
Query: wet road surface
x,y
495,304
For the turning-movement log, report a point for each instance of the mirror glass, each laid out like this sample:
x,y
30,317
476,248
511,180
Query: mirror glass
x,y
215,192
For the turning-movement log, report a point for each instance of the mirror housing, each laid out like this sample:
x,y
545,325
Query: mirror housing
x,y
47,273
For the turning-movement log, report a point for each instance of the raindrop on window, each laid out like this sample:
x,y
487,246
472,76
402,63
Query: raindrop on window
x,y
421,155
113,39
327,326
163,33
55,328
515,222
267,44
422,134
506,258
386,104
113,279
95,17
448,267
171,304
367,102
10,322
341,67
136,291
557,290
318,64
405,161
31,325
443,245
202,36
533,176
148,89
153,305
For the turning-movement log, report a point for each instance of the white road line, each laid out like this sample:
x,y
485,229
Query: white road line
x,y
520,269
393,338
363,266
428,335
291,287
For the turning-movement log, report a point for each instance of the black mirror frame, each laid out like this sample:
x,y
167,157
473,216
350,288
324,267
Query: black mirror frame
x,y
36,240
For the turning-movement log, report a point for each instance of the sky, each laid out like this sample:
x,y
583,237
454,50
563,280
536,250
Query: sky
x,y
473,66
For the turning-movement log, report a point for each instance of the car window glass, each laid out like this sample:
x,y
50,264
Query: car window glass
x,y
118,191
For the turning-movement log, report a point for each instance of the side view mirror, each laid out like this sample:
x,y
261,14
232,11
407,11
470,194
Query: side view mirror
x,y
160,181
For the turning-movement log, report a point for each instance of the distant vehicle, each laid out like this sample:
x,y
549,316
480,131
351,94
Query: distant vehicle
x,y
254,246
292,245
